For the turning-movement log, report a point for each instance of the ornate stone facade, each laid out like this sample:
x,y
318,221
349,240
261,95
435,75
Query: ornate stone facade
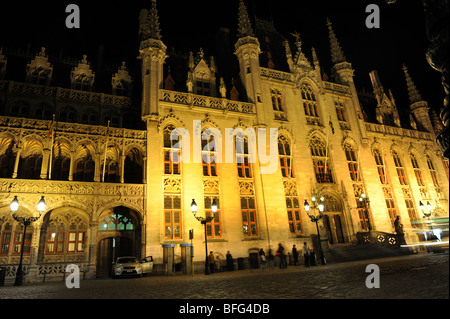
x,y
113,190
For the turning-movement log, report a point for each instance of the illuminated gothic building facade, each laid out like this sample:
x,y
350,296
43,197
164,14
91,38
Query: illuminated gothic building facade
x,y
118,191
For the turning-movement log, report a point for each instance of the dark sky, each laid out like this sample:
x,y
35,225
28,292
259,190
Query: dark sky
x,y
189,25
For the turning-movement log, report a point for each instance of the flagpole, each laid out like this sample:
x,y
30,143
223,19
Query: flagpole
x,y
357,165
51,148
106,150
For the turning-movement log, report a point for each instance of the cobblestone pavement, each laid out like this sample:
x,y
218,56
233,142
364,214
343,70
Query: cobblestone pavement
x,y
422,276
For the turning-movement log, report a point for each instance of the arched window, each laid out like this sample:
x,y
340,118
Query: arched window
x,y
7,157
60,168
43,112
209,154
84,168
400,169
30,167
111,170
380,166
285,154
133,171
117,222
310,104
213,228
432,171
171,152
68,114
242,156
90,117
320,160
353,163
417,170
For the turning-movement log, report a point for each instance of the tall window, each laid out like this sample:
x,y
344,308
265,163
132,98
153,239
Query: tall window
x,y
171,153
432,171
172,217
445,162
415,221
380,166
400,169
340,110
60,168
390,204
417,170
213,228
30,167
248,210
277,104
352,161
293,211
111,171
84,169
284,152
7,159
242,157
321,161
208,154
5,238
310,105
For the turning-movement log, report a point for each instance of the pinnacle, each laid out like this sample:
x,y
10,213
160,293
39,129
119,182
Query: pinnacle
x,y
244,26
337,55
413,93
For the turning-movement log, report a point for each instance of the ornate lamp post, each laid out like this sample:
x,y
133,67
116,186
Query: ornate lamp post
x,y
204,221
318,206
26,221
365,203
427,214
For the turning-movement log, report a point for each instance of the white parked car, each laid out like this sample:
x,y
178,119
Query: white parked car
x,y
131,266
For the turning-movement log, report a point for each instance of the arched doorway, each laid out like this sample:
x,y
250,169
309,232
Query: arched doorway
x,y
119,235
333,220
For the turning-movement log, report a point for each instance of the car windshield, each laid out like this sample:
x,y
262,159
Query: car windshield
x,y
127,260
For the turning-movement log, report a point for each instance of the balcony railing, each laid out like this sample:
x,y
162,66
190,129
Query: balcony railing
x,y
189,99
64,94
397,131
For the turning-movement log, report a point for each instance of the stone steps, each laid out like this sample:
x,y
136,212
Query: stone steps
x,y
350,252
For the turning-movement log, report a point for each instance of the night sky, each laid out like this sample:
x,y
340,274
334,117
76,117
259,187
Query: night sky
x,y
188,25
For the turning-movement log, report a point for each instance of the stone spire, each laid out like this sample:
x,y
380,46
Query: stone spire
x,y
244,26
414,95
337,55
150,23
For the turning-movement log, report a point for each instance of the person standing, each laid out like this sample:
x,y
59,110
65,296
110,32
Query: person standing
x,y
280,253
230,262
306,254
295,254
211,262
262,256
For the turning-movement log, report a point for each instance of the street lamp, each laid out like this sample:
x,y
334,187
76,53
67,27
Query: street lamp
x,y
315,219
26,221
204,221
427,214
365,203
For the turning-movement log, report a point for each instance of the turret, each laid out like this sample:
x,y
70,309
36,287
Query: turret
x,y
153,55
418,106
248,51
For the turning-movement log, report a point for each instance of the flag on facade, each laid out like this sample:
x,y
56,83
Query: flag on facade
x,y
331,125
106,151
52,127
50,134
